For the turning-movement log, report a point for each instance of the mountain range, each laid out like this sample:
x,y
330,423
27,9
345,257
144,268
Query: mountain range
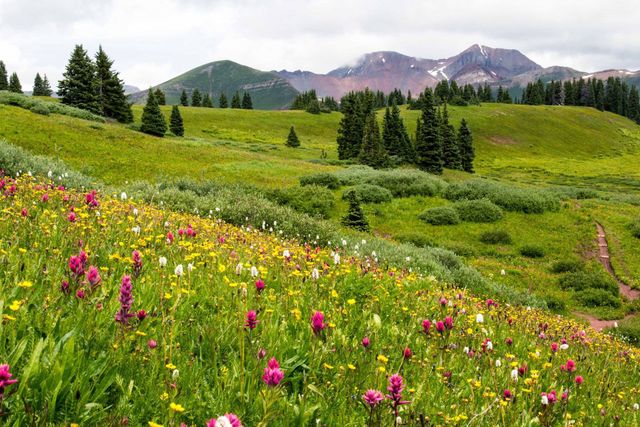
x,y
384,71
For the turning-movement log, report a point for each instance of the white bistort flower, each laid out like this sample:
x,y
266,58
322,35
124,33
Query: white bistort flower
x,y
162,261
179,270
479,318
254,271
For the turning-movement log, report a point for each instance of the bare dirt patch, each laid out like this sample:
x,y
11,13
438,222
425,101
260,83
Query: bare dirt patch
x,y
502,140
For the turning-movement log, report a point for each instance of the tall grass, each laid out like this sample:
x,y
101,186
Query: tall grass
x,y
40,106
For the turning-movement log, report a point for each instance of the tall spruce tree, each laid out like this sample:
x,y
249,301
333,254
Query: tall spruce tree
x,y
222,102
184,99
14,83
465,142
247,103
79,86
235,101
395,136
153,121
633,111
292,138
4,78
160,97
351,127
355,216
372,152
37,86
450,151
113,101
46,87
429,146
196,98
176,125
206,100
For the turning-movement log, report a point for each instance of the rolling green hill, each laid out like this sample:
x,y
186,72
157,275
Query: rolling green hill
x,y
268,91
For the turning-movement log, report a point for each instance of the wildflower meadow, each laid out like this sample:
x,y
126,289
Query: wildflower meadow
x,y
115,312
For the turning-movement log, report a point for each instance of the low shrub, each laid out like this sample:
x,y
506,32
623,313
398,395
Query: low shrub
x,y
40,106
441,215
581,280
532,251
419,240
592,297
555,303
496,237
634,227
401,182
310,199
368,193
482,210
569,266
324,179
39,109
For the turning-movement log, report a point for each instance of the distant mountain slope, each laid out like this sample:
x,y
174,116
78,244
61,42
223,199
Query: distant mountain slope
x,y
268,90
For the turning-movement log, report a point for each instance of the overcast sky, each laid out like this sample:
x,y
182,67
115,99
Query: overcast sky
x,y
154,40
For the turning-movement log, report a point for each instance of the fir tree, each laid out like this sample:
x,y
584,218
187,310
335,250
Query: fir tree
x,y
450,150
429,146
206,101
4,78
176,124
313,107
113,101
46,87
355,216
633,111
395,136
37,86
153,121
184,99
14,83
292,138
222,102
235,101
160,97
350,130
247,103
372,152
196,98
465,142
79,86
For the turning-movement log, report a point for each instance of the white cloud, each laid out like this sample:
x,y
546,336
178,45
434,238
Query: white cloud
x,y
152,41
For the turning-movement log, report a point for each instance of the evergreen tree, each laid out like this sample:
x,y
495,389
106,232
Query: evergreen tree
x,y
247,104
395,137
633,111
222,102
196,98
14,83
160,97
184,99
153,121
355,216
350,130
235,101
176,125
450,150
465,142
113,102
79,86
313,107
37,86
372,152
206,101
292,138
429,146
46,87
4,78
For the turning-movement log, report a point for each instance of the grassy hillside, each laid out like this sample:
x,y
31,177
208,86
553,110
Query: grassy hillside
x,y
268,91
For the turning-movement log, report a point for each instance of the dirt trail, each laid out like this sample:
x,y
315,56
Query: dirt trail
x,y
626,290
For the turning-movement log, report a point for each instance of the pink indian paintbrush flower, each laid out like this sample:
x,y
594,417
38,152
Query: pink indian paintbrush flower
x,y
136,259
251,320
272,373
406,353
93,276
448,322
126,300
372,398
317,322
259,285
366,342
579,380
5,379
152,344
440,326
426,326
395,392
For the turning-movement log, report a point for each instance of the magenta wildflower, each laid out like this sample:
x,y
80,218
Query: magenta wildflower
x,y
152,344
45,198
251,320
5,379
93,276
426,325
507,395
141,315
225,421
448,322
259,285
64,287
317,322
554,347
136,259
372,398
76,266
91,199
395,392
261,353
170,237
24,213
71,217
407,353
126,299
366,342
440,326
80,293
579,380
272,373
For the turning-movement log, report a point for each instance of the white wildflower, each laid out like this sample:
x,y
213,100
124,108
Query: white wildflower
x,y
514,375
498,363
254,271
239,268
190,267
179,271
544,400
479,318
315,274
123,196
162,261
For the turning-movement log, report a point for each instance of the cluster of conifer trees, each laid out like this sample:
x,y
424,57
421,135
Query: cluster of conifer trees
x,y
310,102
199,100
94,86
41,87
436,145
614,95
